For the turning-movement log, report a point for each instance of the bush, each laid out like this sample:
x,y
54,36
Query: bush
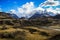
x,y
9,22
3,27
7,35
56,37
43,34
32,30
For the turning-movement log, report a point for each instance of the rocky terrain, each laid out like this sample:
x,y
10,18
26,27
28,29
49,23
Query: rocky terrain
x,y
41,28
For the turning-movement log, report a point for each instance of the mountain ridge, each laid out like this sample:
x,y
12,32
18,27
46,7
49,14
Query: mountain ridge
x,y
8,15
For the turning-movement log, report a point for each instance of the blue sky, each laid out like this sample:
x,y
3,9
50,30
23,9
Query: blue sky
x,y
29,7
6,5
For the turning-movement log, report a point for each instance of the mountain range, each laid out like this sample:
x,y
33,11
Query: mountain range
x,y
36,15
45,15
8,15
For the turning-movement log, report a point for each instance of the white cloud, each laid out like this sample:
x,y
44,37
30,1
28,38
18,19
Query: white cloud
x,y
39,8
29,9
28,5
26,9
58,10
50,0
55,11
20,10
51,10
50,3
12,11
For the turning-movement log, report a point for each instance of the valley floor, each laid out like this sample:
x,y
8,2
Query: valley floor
x,y
28,33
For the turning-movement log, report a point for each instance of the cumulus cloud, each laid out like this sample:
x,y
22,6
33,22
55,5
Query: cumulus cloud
x,y
50,0
50,3
26,8
29,8
39,8
58,10
54,11
51,10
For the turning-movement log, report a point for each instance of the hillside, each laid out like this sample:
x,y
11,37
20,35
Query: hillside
x,y
31,29
4,15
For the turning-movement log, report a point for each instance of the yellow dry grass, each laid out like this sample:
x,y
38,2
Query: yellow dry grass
x,y
28,35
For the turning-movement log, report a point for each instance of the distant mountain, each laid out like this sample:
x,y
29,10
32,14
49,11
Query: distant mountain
x,y
14,16
39,15
8,15
36,15
57,16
